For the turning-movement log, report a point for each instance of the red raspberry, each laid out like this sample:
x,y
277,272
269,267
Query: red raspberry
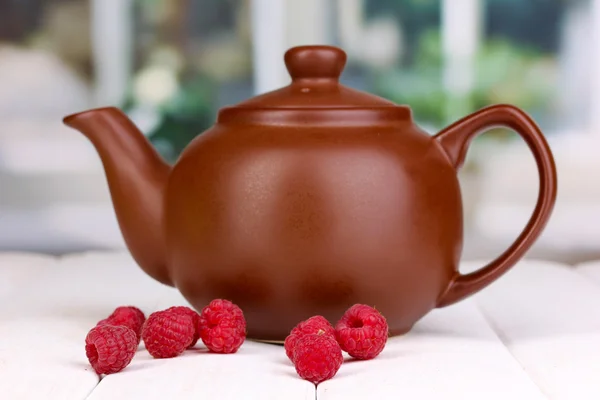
x,y
129,316
312,325
195,319
362,332
222,326
167,334
317,357
110,348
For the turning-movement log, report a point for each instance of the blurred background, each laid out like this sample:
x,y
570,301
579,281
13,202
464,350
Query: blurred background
x,y
171,64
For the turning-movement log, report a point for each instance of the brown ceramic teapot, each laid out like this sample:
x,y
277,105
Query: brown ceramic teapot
x,y
308,199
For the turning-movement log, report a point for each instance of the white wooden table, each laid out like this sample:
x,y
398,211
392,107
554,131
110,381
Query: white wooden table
x,y
535,334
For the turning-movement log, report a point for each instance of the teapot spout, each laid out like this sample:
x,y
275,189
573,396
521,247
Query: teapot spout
x,y
137,177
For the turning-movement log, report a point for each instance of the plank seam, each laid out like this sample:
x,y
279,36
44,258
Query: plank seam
x,y
503,339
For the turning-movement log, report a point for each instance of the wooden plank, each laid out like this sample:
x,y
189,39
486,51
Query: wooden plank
x,y
18,270
41,354
548,315
42,336
590,270
57,302
91,285
452,353
257,371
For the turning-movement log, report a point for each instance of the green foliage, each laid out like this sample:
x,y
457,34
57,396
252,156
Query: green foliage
x,y
513,74
194,98
429,51
505,73
188,114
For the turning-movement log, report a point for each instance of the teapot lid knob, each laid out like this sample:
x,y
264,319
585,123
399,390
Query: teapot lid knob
x,y
315,62
315,96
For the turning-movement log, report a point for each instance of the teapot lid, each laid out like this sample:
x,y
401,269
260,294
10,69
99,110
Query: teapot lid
x,y
315,96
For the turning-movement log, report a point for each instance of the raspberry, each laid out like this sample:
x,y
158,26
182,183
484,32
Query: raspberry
x,y
195,319
362,332
129,316
110,348
167,334
312,325
317,357
222,326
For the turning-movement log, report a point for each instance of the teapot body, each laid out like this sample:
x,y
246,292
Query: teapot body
x,y
291,223
308,199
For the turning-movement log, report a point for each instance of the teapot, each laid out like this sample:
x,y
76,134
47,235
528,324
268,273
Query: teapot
x,y
308,199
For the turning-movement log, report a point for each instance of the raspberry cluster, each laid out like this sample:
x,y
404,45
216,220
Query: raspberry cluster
x,y
315,347
112,343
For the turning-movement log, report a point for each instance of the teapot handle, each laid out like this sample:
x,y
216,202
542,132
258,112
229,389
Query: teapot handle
x,y
455,141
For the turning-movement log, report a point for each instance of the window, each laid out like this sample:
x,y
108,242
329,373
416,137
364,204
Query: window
x,y
171,64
